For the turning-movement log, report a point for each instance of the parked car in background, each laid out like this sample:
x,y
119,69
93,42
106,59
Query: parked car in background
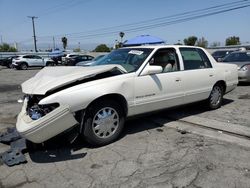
x,y
97,99
56,56
242,60
220,54
68,56
24,61
79,58
7,61
88,63
57,59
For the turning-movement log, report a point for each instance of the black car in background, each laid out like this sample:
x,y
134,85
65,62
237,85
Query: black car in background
x,y
78,58
220,54
7,61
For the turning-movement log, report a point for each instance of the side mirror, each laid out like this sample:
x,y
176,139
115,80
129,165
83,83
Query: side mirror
x,y
151,69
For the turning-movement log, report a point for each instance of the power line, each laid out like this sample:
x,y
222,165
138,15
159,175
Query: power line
x,y
158,22
181,19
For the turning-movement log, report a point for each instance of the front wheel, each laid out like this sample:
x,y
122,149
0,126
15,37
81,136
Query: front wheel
x,y
216,97
103,123
49,64
24,66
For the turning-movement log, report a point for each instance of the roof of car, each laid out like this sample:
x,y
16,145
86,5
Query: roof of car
x,y
163,46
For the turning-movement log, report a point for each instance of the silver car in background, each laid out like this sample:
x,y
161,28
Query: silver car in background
x,y
242,60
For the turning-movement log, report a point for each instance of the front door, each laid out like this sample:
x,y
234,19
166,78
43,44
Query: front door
x,y
163,90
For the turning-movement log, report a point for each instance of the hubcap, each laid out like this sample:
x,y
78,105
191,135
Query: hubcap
x,y
105,122
215,96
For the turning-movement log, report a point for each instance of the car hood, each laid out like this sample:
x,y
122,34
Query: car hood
x,y
51,78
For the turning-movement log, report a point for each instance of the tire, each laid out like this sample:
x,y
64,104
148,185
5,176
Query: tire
x,y
9,65
216,97
24,66
103,123
49,64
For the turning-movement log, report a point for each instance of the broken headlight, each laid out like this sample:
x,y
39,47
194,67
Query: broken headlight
x,y
37,111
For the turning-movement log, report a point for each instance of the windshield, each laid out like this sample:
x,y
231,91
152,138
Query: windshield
x,y
129,58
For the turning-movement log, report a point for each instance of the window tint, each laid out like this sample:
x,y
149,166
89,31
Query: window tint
x,y
167,59
234,57
36,57
194,59
84,58
205,58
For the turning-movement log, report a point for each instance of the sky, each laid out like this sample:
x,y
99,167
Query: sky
x,y
87,23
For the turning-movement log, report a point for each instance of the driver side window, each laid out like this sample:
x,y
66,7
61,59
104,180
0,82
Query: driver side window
x,y
167,59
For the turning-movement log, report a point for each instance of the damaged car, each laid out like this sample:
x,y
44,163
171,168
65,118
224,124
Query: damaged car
x,y
97,99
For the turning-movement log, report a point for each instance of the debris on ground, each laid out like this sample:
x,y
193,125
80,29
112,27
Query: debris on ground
x,y
15,155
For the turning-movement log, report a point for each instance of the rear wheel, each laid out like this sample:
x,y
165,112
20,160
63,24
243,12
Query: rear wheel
x,y
103,123
216,97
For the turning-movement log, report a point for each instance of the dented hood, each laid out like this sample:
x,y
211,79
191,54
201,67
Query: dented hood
x,y
50,78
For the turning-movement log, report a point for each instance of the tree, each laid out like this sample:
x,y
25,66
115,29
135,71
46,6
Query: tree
x,y
202,42
121,34
232,41
7,48
102,48
190,40
65,42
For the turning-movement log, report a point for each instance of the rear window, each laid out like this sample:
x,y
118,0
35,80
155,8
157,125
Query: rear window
x,y
237,57
194,59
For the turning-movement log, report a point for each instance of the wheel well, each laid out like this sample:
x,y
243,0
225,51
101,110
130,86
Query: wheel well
x,y
23,62
114,97
223,84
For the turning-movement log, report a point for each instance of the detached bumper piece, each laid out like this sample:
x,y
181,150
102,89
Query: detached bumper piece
x,y
9,136
14,155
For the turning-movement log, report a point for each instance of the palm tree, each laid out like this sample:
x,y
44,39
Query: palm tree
x,y
121,35
65,42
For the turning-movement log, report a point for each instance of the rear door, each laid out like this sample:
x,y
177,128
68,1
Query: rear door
x,y
198,74
38,60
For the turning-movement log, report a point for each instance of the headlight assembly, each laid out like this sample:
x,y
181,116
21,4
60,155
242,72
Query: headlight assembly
x,y
245,68
37,111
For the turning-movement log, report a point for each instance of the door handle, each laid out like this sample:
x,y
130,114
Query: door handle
x,y
211,75
177,79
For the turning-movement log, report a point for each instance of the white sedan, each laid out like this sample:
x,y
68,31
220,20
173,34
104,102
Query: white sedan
x,y
127,82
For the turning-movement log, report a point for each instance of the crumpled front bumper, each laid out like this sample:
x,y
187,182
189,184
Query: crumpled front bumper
x,y
48,126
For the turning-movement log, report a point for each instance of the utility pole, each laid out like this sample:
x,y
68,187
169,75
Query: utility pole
x,y
54,45
34,31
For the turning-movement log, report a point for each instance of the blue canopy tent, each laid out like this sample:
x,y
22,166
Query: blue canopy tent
x,y
142,40
55,53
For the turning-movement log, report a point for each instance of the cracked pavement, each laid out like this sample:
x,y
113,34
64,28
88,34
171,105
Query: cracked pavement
x,y
146,155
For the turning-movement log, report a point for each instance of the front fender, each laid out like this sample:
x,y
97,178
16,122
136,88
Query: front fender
x,y
80,96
